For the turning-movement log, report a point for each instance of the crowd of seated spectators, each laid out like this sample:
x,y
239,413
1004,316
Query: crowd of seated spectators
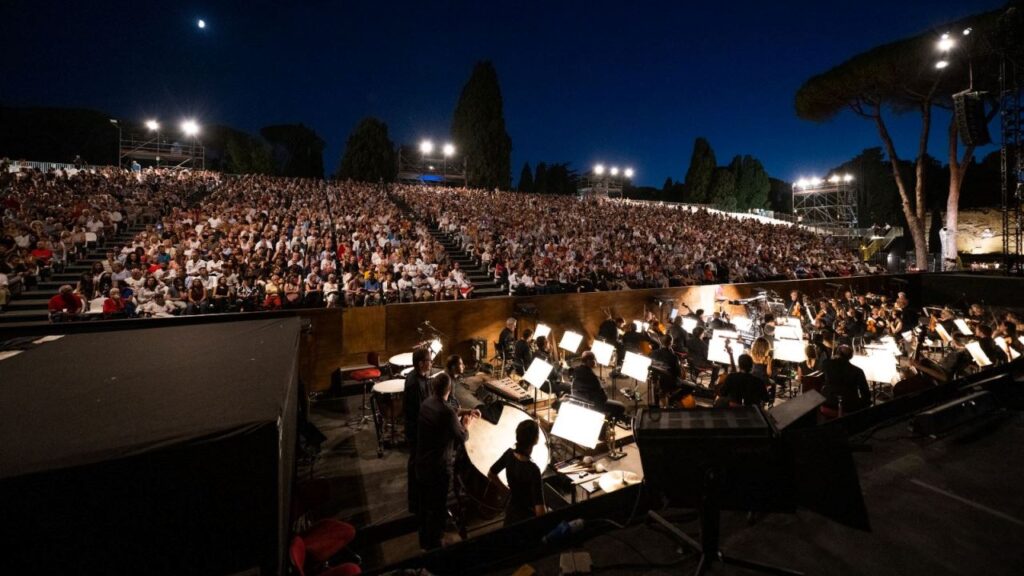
x,y
50,219
535,244
255,243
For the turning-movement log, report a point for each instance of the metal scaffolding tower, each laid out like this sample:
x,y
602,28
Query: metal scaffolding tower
x,y
432,168
828,203
1011,168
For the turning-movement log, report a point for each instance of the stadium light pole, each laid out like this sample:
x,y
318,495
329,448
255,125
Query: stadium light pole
x,y
154,126
448,150
191,129
118,126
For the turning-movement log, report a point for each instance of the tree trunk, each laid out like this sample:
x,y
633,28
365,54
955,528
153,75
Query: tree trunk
x,y
914,222
957,171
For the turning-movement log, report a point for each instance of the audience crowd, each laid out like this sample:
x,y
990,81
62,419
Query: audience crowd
x,y
539,244
208,243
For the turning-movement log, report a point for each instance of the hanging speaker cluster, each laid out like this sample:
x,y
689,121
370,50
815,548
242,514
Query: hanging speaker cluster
x,y
969,108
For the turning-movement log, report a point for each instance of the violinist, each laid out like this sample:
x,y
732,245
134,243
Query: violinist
x,y
983,333
554,382
666,367
522,352
678,334
761,353
795,306
1008,330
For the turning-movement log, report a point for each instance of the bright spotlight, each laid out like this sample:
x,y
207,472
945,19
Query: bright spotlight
x,y
201,23
152,125
615,170
802,183
941,64
967,31
190,127
449,150
599,169
426,147
834,179
629,172
816,181
946,43
848,178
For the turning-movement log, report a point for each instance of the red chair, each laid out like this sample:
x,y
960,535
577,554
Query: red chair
x,y
366,377
297,553
320,543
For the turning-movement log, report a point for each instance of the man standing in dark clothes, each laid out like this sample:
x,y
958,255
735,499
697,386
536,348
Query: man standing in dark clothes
x,y
439,429
416,390
742,388
845,381
507,339
666,366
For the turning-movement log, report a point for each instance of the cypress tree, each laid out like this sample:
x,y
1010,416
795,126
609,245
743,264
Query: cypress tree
x,y
526,178
478,128
369,153
701,171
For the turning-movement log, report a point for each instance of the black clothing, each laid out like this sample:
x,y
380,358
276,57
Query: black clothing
x,y
954,362
506,341
679,337
995,354
587,386
845,380
608,331
631,340
522,356
416,390
666,366
554,382
744,389
525,488
438,431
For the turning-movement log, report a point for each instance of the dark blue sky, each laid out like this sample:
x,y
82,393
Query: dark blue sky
x,y
620,82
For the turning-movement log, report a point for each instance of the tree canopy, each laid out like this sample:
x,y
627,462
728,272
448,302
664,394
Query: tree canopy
x,y
369,153
525,179
478,128
701,170
298,151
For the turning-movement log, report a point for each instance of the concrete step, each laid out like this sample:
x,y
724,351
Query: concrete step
x,y
27,303
34,314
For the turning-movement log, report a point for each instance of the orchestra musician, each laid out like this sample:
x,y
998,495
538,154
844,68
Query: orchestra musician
x,y
439,430
697,354
586,386
554,383
416,390
526,491
666,367
846,387
522,352
678,334
742,388
983,333
507,339
795,306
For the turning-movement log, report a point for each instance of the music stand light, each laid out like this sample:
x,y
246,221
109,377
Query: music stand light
x,y
689,323
578,424
542,330
978,354
435,347
570,341
604,352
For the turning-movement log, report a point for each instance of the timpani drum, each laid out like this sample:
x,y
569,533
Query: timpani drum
x,y
403,360
387,410
486,443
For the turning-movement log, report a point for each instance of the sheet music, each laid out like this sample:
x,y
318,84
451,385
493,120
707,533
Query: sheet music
x,y
978,354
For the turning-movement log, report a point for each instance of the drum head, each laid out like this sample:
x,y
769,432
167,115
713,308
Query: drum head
x,y
395,386
487,442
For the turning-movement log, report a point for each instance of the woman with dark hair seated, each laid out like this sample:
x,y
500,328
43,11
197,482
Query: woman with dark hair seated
x,y
526,492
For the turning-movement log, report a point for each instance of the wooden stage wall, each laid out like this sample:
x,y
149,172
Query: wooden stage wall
x,y
344,337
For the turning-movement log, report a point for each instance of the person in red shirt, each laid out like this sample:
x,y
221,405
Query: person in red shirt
x,y
113,306
65,306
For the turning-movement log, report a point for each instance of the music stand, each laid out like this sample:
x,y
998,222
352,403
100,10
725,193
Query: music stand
x,y
962,326
978,354
578,424
536,375
689,323
1005,346
435,347
672,314
641,326
570,341
542,330
943,334
790,351
604,354
637,367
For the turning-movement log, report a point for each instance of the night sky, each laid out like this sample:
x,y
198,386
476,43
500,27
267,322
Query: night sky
x,y
620,82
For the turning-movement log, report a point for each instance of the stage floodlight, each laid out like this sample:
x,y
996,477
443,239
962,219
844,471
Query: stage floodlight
x,y
941,64
834,179
629,172
538,372
848,178
201,23
967,31
946,43
604,352
578,424
802,183
742,323
152,125
636,366
570,341
542,330
426,147
599,169
689,323
449,150
190,127
615,170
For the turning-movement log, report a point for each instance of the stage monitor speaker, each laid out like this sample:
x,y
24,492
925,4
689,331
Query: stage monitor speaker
x,y
970,118
799,411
